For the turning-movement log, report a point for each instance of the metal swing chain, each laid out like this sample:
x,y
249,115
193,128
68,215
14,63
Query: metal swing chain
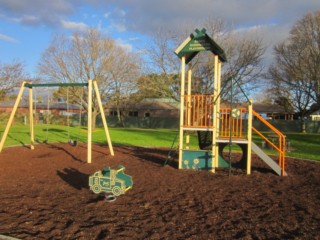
x,y
68,120
48,109
80,114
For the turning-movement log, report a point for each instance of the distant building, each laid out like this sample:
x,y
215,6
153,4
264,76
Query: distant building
x,y
55,108
149,107
272,111
315,116
169,108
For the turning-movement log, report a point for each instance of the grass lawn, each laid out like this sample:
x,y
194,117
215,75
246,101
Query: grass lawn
x,y
306,146
19,135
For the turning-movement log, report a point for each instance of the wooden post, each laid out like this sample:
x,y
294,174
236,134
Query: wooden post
x,y
215,153
183,63
188,107
31,118
96,89
218,113
15,107
249,137
89,148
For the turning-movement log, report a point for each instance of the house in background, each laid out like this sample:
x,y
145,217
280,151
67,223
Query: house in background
x,y
272,111
55,108
41,109
315,116
169,108
149,107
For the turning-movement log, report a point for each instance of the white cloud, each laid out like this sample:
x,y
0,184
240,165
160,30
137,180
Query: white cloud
x,y
7,38
124,44
119,12
27,20
36,12
133,39
107,15
146,16
116,19
119,27
76,26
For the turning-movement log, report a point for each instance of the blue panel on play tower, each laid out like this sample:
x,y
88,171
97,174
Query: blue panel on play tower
x,y
199,160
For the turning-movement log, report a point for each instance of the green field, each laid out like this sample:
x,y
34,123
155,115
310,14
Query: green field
x,y
305,146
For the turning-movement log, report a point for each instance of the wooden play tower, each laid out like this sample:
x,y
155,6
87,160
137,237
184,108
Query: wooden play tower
x,y
216,126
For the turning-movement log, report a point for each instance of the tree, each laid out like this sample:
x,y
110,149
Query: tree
x,y
244,54
11,75
156,86
91,55
163,66
296,72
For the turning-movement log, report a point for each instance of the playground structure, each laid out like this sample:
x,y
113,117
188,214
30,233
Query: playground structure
x,y
217,126
91,86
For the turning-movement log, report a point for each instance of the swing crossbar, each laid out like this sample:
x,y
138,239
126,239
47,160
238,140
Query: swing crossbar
x,y
32,85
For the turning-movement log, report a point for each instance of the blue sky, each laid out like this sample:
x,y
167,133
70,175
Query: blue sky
x,y
27,26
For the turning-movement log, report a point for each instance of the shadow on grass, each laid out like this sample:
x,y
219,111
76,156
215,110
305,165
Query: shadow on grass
x,y
19,141
54,130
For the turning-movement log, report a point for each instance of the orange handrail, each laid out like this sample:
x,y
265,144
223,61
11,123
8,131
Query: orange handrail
x,y
282,140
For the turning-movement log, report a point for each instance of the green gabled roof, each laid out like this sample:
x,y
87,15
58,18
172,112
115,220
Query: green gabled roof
x,y
199,42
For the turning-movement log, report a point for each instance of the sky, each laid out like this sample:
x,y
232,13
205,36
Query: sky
x,y
27,26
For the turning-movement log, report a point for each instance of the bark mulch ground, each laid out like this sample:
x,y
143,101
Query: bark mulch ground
x,y
44,194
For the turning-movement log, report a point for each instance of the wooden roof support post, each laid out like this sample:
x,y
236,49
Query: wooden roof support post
x,y
218,92
215,150
188,110
249,137
31,118
182,90
89,148
15,107
103,117
217,113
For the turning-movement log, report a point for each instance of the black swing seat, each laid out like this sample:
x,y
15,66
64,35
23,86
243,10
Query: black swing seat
x,y
73,143
44,141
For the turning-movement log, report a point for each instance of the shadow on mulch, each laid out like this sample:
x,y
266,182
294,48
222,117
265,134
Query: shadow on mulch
x,y
157,156
64,150
74,178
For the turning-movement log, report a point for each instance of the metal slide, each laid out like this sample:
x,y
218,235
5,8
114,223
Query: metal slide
x,y
269,161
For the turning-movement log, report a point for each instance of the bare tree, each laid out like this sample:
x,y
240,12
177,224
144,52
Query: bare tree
x,y
11,75
296,72
244,54
162,67
91,55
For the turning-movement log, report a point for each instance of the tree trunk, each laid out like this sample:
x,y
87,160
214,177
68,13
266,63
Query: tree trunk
x,y
120,118
94,119
303,126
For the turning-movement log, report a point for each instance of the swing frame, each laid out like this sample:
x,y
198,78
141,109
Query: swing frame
x,y
91,85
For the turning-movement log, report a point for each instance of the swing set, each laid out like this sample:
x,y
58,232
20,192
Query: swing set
x,y
72,142
91,86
